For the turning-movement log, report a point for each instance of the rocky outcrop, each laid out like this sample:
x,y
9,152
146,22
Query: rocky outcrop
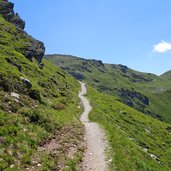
x,y
140,78
97,63
17,21
35,49
125,93
10,61
78,76
123,68
134,99
6,10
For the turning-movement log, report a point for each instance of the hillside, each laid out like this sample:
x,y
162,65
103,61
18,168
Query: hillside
x,y
167,75
145,92
137,141
40,126
37,102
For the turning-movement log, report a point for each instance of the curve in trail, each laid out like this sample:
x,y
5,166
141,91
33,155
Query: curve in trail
x,y
94,157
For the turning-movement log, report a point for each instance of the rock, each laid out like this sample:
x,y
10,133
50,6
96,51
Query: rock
x,y
131,94
131,138
41,65
38,164
134,99
10,61
98,63
139,78
16,95
148,131
6,10
17,21
34,49
154,157
145,150
16,100
122,112
110,160
27,82
78,76
123,68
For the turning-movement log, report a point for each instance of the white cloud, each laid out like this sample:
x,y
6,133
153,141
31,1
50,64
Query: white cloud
x,y
162,47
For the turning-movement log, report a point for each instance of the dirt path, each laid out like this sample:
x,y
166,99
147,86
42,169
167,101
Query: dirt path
x,y
94,157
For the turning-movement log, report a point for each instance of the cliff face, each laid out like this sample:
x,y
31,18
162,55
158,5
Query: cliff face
x,y
34,48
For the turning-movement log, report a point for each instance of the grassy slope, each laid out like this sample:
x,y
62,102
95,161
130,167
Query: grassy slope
x,y
50,105
159,93
129,132
111,79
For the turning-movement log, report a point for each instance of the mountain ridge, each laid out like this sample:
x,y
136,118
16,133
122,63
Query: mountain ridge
x,y
136,89
107,63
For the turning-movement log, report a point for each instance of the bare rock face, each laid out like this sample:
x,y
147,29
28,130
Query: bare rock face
x,y
35,49
6,10
17,21
134,99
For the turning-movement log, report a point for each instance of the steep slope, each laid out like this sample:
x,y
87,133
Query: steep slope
x,y
37,101
137,141
145,92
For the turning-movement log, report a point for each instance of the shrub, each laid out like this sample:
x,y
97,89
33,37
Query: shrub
x,y
35,94
59,106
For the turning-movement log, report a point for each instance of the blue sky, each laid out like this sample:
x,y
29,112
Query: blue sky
x,y
133,33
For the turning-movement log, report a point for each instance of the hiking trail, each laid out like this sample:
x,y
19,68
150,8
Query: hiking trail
x,y
94,158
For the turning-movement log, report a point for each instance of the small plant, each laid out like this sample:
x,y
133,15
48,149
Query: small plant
x,y
59,106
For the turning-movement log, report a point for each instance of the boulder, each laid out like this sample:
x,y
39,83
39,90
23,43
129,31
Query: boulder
x,y
27,82
15,95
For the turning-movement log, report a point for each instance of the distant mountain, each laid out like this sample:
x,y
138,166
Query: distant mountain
x,y
167,74
146,92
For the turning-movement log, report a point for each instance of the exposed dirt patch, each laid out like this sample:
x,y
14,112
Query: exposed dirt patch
x,y
64,150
